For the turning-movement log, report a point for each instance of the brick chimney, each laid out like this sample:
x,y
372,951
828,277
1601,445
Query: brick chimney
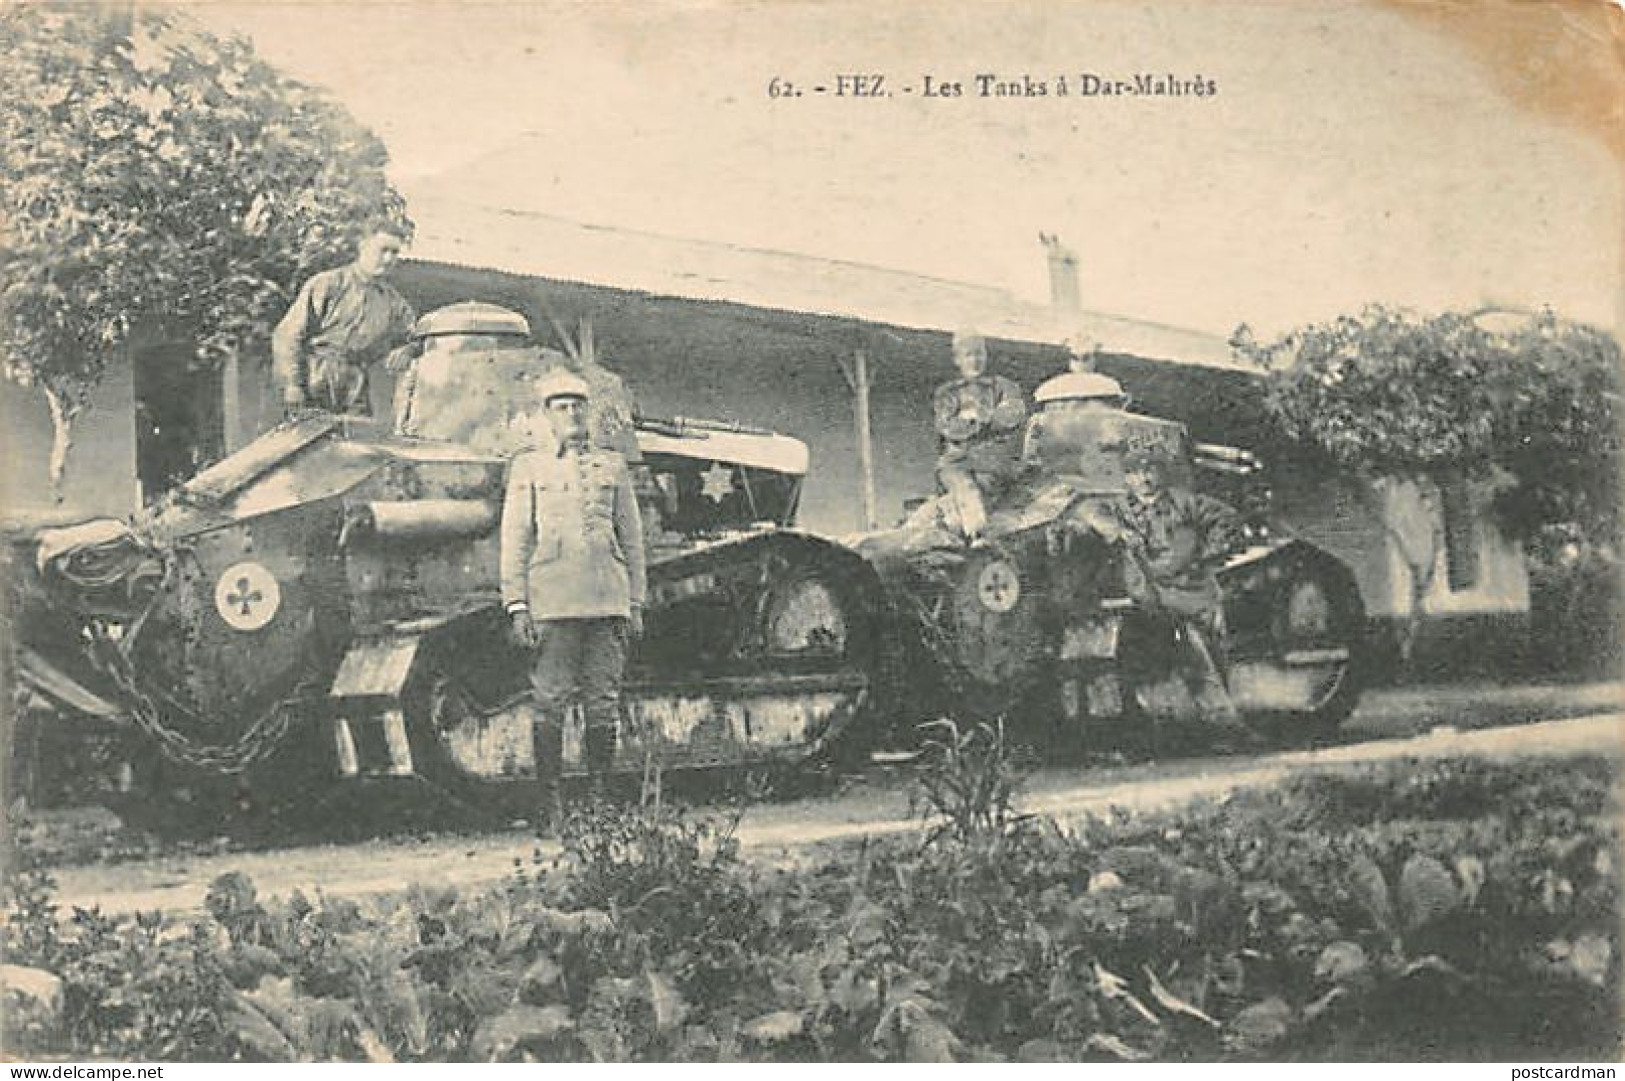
x,y
1063,274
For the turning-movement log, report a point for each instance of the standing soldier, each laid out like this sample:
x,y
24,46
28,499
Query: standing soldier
x,y
572,581
342,321
1176,540
979,419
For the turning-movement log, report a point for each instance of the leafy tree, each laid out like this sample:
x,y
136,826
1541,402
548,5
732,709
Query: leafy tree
x,y
153,170
1529,411
1560,387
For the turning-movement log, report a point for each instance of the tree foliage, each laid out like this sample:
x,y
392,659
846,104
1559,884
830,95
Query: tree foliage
x,y
152,169
1389,393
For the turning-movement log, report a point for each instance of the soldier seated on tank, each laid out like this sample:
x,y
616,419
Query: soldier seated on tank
x,y
978,421
1174,542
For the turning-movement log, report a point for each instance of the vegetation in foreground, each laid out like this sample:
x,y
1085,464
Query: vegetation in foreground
x,y
1422,910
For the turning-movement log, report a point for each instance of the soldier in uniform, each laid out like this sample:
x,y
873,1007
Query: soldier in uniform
x,y
342,321
979,419
572,569
1176,539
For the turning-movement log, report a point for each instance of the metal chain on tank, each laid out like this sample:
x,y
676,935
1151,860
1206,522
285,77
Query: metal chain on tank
x,y
264,736
939,637
256,743
938,641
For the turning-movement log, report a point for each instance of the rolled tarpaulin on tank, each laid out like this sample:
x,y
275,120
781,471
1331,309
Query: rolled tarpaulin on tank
x,y
432,518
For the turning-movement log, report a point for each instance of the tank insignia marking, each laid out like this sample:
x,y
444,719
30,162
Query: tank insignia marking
x,y
998,587
247,596
719,482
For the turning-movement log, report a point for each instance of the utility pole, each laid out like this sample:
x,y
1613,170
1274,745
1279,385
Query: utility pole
x,y
857,377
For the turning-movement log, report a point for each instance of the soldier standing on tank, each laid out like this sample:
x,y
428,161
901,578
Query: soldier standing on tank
x,y
342,321
979,419
573,582
1176,540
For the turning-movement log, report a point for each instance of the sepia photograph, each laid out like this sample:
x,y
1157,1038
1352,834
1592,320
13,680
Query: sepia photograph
x,y
671,531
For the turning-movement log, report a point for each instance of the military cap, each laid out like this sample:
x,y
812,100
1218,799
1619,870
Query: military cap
x,y
969,335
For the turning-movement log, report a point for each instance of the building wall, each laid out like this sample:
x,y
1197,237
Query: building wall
x,y
1376,530
1341,517
100,477
1501,582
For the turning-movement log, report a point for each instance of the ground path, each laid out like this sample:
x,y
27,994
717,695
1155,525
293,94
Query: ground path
x,y
877,806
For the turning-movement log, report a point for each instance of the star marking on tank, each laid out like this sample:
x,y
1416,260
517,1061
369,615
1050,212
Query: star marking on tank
x,y
719,482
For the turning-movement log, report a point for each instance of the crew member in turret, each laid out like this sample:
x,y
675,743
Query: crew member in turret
x,y
341,323
1082,353
573,584
978,420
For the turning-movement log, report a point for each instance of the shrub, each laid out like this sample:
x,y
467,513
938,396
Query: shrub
x,y
968,784
1416,910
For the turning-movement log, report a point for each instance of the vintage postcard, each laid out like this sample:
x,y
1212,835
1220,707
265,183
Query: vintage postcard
x,y
1052,531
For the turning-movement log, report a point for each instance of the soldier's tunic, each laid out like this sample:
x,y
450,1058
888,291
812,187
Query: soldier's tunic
x,y
1179,538
1175,542
340,323
572,554
978,421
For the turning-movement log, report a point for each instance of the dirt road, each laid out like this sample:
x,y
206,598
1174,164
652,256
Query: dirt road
x,y
878,806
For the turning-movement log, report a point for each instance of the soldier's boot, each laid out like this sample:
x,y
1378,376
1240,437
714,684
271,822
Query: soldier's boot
x,y
599,748
970,508
1230,734
547,743
551,810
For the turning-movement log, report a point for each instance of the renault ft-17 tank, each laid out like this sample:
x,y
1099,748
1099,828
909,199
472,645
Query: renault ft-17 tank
x,y
321,608
319,612
1048,620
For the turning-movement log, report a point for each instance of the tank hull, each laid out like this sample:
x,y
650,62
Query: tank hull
x,y
322,612
736,670
316,620
1038,626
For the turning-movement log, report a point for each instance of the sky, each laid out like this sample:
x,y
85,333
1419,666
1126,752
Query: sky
x,y
1433,155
